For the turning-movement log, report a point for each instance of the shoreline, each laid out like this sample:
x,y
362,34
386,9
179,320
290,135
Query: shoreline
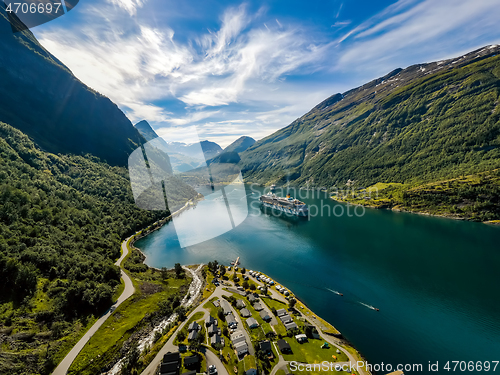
x,y
316,319
159,224
396,208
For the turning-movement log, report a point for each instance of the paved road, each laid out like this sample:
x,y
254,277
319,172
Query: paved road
x,y
170,347
63,367
327,338
213,359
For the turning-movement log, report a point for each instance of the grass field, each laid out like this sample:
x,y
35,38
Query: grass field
x,y
124,321
311,352
472,197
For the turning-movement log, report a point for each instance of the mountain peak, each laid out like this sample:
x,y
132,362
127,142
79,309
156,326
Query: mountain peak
x,y
146,130
240,145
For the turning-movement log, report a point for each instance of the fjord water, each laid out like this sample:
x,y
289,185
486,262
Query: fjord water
x,y
435,280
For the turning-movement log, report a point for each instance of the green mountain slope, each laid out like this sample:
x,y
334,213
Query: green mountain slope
x,y
62,219
424,123
65,204
240,145
41,97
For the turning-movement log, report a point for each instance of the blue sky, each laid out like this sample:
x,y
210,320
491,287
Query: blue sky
x,y
250,68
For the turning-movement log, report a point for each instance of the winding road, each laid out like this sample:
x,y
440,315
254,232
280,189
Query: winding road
x,y
63,367
170,347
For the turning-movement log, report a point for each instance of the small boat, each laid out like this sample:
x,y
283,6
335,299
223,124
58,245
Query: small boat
x,y
370,306
334,291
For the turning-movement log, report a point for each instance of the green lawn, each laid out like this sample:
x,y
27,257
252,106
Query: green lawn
x,y
311,352
272,303
125,320
249,362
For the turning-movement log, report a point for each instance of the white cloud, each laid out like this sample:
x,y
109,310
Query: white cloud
x,y
409,32
128,5
137,65
234,79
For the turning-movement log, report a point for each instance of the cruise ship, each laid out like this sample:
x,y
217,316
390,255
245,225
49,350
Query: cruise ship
x,y
288,205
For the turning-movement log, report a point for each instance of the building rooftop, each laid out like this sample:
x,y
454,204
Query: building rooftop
x,y
215,339
264,315
245,313
258,307
281,312
265,346
192,335
171,357
209,320
251,322
193,326
284,346
191,360
230,319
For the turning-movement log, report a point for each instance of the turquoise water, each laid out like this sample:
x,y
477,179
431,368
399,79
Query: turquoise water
x,y
434,280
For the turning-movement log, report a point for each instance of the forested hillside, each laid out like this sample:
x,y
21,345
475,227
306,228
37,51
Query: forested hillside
x,y
62,219
424,123
41,97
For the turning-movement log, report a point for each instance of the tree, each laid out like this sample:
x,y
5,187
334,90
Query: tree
x,y
179,272
220,314
245,284
261,355
243,270
195,345
181,336
253,287
292,303
164,274
181,312
212,266
271,335
222,270
225,331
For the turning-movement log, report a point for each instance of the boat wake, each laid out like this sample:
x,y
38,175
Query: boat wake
x,y
334,291
369,306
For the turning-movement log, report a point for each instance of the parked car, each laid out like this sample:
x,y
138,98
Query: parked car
x,y
212,370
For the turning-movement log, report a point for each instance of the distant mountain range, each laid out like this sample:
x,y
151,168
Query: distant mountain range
x,y
424,123
183,157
